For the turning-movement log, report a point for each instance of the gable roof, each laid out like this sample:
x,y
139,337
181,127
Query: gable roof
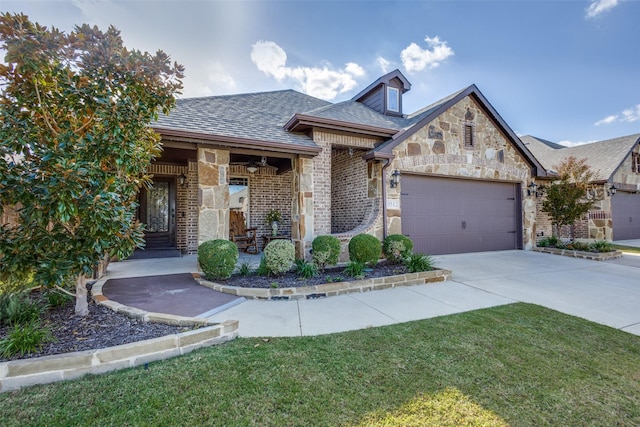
x,y
395,74
252,119
419,119
604,158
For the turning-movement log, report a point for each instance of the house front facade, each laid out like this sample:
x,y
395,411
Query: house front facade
x,y
616,165
452,176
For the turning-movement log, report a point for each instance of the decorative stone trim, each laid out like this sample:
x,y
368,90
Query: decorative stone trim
x,y
595,256
332,289
43,370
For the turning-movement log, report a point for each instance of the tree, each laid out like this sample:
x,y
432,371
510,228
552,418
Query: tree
x,y
566,198
75,145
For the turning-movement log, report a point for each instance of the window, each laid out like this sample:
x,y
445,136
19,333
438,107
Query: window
x,y
468,136
635,163
393,99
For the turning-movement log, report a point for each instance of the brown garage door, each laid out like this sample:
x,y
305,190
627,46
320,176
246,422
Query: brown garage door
x,y
446,216
626,215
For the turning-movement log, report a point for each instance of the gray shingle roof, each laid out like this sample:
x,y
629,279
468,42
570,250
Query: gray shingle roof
x,y
603,157
255,116
358,113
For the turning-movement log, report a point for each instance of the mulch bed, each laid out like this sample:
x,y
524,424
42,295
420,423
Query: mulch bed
x,y
292,280
104,327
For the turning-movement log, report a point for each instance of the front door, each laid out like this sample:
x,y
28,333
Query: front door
x,y
158,213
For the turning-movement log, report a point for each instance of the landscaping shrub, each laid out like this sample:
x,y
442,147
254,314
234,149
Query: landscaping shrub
x,y
601,246
326,251
262,269
355,269
416,263
305,269
18,308
578,246
244,269
279,256
24,339
396,247
365,248
217,258
56,298
16,283
551,241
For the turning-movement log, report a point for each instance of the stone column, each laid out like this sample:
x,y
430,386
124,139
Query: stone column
x,y
213,194
302,220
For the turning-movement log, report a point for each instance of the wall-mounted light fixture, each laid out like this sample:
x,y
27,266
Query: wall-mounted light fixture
x,y
395,179
182,180
534,190
611,191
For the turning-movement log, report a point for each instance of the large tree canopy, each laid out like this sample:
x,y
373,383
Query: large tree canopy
x,y
566,198
74,145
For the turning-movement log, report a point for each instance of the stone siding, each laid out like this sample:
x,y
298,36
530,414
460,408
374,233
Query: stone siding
x,y
439,149
625,178
213,194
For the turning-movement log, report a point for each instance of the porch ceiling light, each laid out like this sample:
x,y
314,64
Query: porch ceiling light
x,y
252,168
395,179
612,190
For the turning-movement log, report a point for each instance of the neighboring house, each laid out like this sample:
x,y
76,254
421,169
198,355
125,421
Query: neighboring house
x,y
462,173
616,163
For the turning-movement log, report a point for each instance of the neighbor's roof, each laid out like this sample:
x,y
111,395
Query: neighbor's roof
x,y
256,117
603,157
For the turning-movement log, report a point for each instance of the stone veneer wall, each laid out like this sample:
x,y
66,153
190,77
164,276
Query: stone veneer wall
x,y
597,224
349,198
302,205
625,178
438,149
213,194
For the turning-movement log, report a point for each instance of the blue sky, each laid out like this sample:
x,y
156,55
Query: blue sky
x,y
566,71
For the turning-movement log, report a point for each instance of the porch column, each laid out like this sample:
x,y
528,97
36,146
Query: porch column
x,y
213,194
302,220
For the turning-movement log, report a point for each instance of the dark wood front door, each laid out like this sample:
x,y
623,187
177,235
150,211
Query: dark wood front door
x,y
158,213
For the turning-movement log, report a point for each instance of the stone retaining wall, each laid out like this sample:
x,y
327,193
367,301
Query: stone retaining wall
x,y
43,370
331,289
595,256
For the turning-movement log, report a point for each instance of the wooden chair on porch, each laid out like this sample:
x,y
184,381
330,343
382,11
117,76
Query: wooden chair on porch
x,y
245,238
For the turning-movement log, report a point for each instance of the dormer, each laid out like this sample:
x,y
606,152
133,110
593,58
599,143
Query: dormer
x,y
385,94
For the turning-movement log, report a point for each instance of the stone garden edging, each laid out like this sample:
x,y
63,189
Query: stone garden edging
x,y
16,374
595,256
331,289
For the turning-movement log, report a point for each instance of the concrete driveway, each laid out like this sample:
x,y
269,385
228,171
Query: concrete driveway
x,y
604,292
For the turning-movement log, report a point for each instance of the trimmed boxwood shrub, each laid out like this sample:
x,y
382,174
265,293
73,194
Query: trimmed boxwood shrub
x,y
217,258
326,251
279,256
365,248
397,247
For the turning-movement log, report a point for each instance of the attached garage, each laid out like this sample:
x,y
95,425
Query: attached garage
x,y
626,215
448,215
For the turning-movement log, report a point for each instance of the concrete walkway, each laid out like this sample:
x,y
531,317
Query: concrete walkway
x,y
603,292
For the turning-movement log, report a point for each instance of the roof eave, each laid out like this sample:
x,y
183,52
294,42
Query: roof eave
x,y
235,142
301,122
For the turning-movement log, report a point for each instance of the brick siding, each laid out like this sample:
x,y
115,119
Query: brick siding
x,y
349,199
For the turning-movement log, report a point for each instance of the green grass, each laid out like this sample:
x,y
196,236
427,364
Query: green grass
x,y
630,249
511,365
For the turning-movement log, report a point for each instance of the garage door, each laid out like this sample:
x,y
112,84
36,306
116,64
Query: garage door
x,y
446,216
626,216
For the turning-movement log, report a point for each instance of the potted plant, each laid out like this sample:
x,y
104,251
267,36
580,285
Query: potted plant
x,y
274,217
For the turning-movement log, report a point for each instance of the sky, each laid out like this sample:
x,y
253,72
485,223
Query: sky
x,y
563,70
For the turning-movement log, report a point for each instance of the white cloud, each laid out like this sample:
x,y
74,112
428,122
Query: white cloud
x,y
607,120
414,58
323,82
629,115
212,80
385,65
600,6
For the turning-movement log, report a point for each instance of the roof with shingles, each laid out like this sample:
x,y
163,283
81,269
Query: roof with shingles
x,y
603,157
253,116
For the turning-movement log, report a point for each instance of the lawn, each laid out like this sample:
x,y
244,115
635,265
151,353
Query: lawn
x,y
630,249
511,365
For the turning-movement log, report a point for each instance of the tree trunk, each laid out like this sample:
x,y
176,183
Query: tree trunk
x,y
82,306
